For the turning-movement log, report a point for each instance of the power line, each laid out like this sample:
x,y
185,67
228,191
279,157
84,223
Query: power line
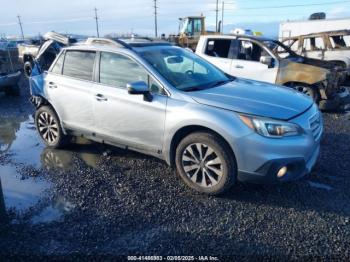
x,y
155,18
20,25
96,18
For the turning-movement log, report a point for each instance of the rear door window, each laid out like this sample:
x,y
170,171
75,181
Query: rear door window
x,y
79,64
218,48
118,70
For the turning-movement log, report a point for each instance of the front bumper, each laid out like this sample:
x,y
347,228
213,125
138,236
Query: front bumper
x,y
340,99
260,158
267,173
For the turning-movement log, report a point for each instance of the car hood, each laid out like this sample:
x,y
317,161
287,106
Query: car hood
x,y
313,62
255,98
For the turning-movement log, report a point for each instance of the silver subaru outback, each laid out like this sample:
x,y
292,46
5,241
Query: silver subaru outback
x,y
167,102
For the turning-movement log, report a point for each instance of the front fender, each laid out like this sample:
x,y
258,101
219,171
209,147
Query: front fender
x,y
301,73
182,114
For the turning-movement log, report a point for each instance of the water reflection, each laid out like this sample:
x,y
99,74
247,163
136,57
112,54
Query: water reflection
x,y
19,139
26,191
83,149
3,216
8,129
30,197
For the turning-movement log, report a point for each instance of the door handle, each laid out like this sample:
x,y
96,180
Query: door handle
x,y
239,66
52,85
100,97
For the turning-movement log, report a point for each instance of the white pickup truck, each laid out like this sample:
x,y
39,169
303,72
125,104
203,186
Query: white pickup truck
x,y
258,58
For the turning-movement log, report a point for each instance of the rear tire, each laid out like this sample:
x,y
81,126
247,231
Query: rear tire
x,y
49,128
28,68
206,163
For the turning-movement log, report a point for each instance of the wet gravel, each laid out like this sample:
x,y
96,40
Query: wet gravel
x,y
125,203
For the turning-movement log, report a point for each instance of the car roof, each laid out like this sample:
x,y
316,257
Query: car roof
x,y
231,36
112,44
335,32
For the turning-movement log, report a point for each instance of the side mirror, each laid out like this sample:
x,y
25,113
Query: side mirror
x,y
139,88
267,60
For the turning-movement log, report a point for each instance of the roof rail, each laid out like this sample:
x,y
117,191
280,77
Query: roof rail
x,y
106,41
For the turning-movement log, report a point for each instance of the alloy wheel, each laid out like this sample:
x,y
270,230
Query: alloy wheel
x,y
48,127
305,90
202,165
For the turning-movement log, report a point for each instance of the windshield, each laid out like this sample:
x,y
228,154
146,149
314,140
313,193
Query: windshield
x,y
279,49
183,69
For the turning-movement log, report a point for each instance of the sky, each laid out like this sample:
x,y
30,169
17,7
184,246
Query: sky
x,y
136,16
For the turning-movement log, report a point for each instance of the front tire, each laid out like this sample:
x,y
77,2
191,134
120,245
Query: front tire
x,y
309,91
49,128
205,163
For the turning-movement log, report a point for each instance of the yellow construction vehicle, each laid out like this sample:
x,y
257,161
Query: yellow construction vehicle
x,y
190,29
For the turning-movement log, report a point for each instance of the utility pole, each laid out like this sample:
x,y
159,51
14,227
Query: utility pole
x,y
222,17
155,19
96,18
217,14
20,25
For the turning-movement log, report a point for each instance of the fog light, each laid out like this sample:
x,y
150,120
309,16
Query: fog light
x,y
282,172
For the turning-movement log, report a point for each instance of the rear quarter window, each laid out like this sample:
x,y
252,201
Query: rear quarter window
x,y
79,64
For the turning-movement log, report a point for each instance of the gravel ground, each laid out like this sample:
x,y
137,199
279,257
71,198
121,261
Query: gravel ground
x,y
115,202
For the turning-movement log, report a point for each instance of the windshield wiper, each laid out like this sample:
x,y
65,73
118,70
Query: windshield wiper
x,y
193,88
222,82
211,85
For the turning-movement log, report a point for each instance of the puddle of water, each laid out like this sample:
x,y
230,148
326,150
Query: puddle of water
x,y
28,195
47,215
320,186
25,196
63,158
20,140
21,194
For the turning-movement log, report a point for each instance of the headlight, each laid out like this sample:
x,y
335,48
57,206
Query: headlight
x,y
270,127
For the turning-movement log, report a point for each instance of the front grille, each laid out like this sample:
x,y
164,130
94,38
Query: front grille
x,y
316,125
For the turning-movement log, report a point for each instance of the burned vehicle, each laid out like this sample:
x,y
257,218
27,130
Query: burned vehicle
x,y
333,46
258,58
47,52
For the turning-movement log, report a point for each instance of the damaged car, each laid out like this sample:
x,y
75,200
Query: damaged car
x,y
259,59
46,53
167,102
332,46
